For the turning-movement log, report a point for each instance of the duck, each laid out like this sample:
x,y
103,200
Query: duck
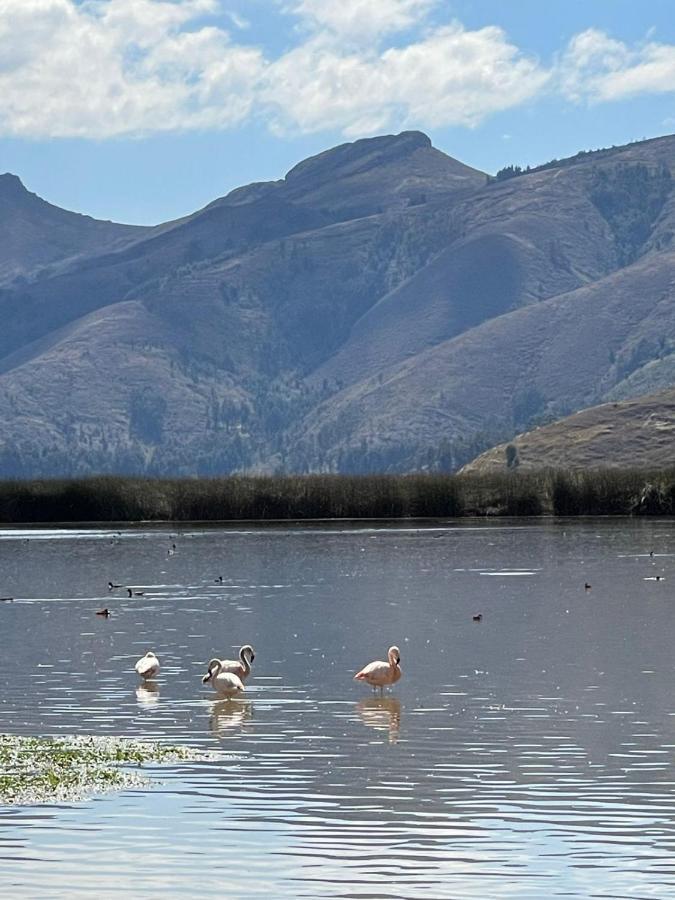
x,y
379,673
135,593
240,667
112,586
148,665
105,612
221,681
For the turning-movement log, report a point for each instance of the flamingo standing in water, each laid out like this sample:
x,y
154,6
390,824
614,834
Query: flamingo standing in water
x,y
148,665
240,667
221,681
379,673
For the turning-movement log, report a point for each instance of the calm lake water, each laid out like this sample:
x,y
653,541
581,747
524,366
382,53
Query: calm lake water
x,y
527,755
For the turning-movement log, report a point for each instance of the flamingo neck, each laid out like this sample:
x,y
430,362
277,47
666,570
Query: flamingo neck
x,y
243,657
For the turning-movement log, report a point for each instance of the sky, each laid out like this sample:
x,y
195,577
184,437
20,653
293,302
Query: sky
x,y
145,110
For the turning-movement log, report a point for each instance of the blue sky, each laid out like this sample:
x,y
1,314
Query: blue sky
x,y
145,110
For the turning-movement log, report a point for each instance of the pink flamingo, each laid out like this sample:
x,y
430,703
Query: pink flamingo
x,y
379,673
240,667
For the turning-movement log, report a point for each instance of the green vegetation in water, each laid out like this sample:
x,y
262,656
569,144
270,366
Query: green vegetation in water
x,y
50,770
512,492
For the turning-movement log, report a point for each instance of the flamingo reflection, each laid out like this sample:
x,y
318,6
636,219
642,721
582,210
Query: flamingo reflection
x,y
229,715
381,713
147,694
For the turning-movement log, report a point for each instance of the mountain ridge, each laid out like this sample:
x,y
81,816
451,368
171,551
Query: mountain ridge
x,y
382,307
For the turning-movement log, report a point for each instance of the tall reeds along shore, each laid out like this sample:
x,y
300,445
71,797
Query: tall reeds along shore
x,y
302,497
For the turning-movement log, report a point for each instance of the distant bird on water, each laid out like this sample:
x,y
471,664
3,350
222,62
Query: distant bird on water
x,y
103,612
380,673
148,665
219,579
134,593
112,586
587,586
478,617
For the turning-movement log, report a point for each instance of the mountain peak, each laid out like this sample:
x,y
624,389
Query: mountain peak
x,y
371,175
361,154
11,186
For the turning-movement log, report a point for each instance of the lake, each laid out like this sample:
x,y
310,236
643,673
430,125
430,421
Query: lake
x,y
525,755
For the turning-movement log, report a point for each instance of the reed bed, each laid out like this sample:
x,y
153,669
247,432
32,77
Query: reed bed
x,y
304,497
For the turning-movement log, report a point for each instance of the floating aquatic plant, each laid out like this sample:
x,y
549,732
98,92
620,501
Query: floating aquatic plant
x,y
49,770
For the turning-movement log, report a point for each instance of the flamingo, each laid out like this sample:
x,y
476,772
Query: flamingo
x,y
379,673
240,667
148,665
221,681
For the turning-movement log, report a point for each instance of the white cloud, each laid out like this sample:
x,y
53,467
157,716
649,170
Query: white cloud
x,y
110,67
451,77
101,68
362,19
597,68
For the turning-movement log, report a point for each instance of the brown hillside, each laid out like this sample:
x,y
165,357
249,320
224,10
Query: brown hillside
x,y
629,434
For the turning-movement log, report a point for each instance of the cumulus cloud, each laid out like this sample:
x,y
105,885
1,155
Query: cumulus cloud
x,y
111,67
451,77
362,19
597,68
104,68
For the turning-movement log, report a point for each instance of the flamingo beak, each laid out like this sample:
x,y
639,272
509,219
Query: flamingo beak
x,y
206,678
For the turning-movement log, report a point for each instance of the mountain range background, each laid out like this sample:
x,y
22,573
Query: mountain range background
x,y
382,308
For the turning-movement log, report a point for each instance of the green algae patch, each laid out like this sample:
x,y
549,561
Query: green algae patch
x,y
50,770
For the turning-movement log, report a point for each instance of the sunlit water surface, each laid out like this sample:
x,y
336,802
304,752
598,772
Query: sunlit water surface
x,y
526,755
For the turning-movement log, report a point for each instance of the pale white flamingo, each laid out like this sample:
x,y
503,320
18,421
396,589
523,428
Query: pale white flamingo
x,y
148,665
240,667
226,683
379,673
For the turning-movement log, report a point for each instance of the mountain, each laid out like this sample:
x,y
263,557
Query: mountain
x,y
636,433
34,234
381,307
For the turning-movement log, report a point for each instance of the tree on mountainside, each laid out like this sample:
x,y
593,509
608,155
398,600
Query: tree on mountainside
x,y
512,457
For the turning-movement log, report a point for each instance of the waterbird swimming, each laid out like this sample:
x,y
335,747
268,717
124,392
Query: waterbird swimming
x,y
478,617
379,673
222,682
148,665
240,667
105,612
112,586
134,593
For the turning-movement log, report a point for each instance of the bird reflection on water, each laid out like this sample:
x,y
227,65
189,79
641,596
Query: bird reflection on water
x,y
381,713
228,716
147,694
